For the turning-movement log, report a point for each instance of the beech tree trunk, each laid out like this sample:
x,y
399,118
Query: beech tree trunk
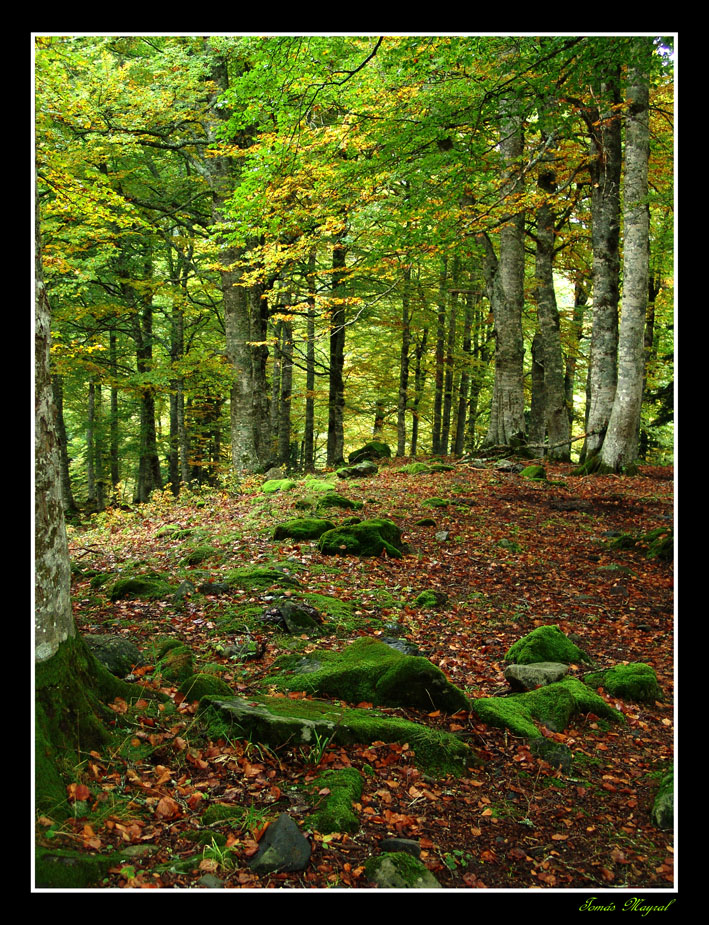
x,y
507,426
620,447
309,435
556,416
336,398
404,364
440,358
605,168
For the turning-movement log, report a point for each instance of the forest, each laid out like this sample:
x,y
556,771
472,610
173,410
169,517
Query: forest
x,y
354,344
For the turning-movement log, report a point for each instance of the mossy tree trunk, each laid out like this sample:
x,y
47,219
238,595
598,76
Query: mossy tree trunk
x,y
69,683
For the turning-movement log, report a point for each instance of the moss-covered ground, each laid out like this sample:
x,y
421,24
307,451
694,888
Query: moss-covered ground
x,y
152,796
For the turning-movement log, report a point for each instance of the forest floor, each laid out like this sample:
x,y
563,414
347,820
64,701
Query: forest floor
x,y
519,554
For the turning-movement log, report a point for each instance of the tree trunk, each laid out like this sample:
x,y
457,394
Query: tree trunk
x,y
70,506
309,435
450,361
336,398
419,379
404,364
66,676
537,421
620,447
605,167
556,415
285,396
507,426
440,358
573,341
463,394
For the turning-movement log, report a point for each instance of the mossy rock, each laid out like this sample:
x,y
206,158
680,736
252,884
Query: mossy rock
x,y
367,538
116,653
141,587
260,577
398,870
177,664
416,468
372,671
536,473
201,685
303,528
359,470
430,599
375,449
545,644
333,792
64,868
333,499
637,682
198,554
280,721
441,467
553,706
274,485
663,807
436,502
425,522
311,483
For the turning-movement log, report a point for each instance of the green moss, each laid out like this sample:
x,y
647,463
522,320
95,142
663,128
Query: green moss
x,y
429,599
545,644
71,692
177,664
628,682
274,485
415,468
142,587
399,870
61,868
552,706
436,502
371,671
319,485
334,792
201,684
537,473
198,554
375,449
367,538
280,721
333,499
260,577
303,528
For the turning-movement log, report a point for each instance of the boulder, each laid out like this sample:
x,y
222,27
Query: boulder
x,y
375,449
274,485
303,528
280,721
360,470
636,681
552,705
545,644
399,870
529,677
293,617
371,671
116,653
282,848
663,808
366,538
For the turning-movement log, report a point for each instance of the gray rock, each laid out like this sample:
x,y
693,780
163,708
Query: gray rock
x,y
399,870
116,653
282,848
408,845
529,677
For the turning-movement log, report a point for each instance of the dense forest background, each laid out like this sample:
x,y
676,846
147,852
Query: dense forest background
x,y
268,250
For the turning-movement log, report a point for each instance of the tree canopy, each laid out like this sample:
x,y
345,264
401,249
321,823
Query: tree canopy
x,y
285,244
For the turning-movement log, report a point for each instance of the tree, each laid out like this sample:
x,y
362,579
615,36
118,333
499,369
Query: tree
x,y
620,447
69,683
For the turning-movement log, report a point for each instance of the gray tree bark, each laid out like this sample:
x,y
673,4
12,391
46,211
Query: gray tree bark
x,y
620,447
54,621
605,168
